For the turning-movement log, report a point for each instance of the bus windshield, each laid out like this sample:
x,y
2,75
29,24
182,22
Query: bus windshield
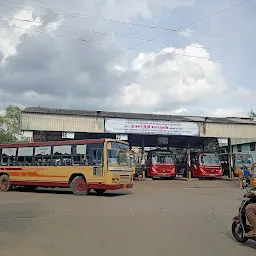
x,y
209,159
118,154
162,158
243,159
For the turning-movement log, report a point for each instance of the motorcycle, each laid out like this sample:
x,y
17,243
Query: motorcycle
x,y
246,183
240,225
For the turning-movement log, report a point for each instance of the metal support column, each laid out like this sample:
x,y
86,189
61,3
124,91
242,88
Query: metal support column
x,y
143,157
230,157
189,163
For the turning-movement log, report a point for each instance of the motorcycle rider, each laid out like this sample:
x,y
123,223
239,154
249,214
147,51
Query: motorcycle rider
x,y
247,176
251,214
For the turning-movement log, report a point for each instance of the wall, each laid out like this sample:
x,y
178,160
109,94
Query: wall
x,y
34,122
246,131
43,122
246,149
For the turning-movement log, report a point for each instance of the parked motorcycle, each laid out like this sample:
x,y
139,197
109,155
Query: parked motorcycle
x,y
240,225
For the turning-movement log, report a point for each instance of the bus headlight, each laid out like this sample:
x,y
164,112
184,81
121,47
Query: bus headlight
x,y
115,180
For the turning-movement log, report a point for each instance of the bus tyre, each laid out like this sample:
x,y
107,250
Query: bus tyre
x,y
100,191
79,186
5,184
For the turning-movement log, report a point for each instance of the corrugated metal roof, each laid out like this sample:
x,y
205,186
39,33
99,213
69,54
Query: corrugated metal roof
x,y
173,118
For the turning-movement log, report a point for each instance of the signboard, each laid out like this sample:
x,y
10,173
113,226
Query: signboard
x,y
122,137
223,141
131,126
163,140
68,135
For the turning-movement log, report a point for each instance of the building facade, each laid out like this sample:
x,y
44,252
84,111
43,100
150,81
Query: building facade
x,y
245,146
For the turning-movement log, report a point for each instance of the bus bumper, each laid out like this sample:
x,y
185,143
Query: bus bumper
x,y
109,187
163,175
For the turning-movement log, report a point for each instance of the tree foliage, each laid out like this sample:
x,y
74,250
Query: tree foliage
x,y
252,114
9,125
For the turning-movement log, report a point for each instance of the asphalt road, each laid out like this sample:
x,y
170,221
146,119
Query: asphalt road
x,y
156,218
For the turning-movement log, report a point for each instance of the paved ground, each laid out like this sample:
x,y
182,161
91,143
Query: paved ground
x,y
157,218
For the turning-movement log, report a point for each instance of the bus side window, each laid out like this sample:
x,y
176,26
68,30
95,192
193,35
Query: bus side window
x,y
8,156
62,155
79,155
42,156
25,156
4,160
97,157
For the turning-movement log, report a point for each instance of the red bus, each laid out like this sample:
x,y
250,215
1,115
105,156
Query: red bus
x,y
203,165
160,164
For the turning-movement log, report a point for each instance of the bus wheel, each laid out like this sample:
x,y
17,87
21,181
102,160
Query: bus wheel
x,y
100,191
79,186
5,184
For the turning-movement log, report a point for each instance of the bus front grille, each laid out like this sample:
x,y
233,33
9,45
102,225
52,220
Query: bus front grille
x,y
124,179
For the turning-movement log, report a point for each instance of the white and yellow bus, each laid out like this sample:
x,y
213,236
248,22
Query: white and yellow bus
x,y
100,164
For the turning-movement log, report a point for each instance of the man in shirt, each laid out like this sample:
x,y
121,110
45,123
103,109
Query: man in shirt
x,y
247,173
251,215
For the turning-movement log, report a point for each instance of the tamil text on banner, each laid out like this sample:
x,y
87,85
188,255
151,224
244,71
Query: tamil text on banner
x,y
114,125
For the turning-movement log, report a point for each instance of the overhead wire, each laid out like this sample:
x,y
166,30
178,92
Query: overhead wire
x,y
197,21
114,34
121,47
101,19
71,28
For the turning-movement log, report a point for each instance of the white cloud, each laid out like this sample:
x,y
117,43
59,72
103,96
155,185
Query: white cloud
x,y
181,111
10,36
61,72
230,112
165,81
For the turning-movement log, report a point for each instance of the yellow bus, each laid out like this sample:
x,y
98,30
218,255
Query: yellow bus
x,y
253,180
82,165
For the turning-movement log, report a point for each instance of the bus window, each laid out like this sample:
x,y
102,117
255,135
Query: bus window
x,y
80,156
25,156
118,155
62,155
42,155
8,156
97,157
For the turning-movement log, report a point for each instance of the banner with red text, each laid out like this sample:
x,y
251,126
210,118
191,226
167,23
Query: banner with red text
x,y
114,125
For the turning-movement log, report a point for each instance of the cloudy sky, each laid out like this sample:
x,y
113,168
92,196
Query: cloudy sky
x,y
136,56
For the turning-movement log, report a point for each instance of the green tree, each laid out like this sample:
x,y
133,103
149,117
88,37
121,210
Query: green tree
x,y
252,114
9,125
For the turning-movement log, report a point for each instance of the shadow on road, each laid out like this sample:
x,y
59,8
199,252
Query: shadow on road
x,y
68,192
250,243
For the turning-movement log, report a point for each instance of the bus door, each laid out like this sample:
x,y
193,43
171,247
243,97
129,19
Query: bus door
x,y
181,165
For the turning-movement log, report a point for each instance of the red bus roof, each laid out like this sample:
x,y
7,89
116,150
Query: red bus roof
x,y
52,143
